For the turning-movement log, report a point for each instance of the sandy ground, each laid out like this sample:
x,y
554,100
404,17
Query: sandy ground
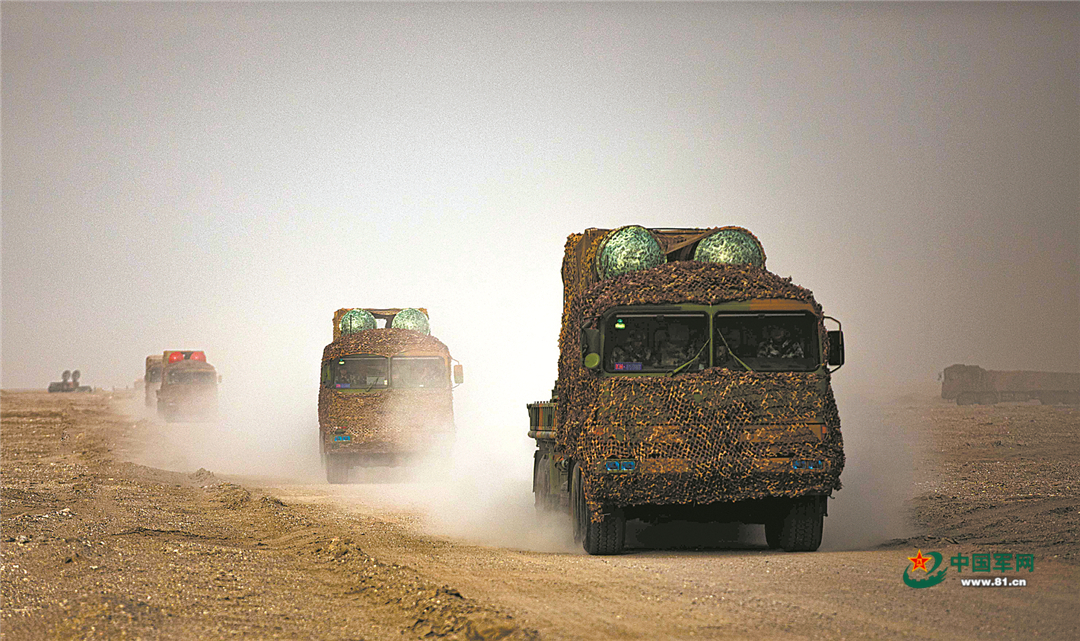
x,y
94,546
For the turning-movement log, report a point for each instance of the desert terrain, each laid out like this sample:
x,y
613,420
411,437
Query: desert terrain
x,y
95,545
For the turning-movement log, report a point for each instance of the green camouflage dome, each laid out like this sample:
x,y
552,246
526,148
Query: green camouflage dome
x,y
733,246
628,249
413,319
356,320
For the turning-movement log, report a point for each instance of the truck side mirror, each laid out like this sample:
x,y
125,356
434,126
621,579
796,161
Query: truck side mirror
x,y
459,374
590,347
219,378
836,348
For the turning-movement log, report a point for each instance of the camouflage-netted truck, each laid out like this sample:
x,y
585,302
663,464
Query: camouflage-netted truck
x,y
188,390
693,384
385,396
152,379
971,384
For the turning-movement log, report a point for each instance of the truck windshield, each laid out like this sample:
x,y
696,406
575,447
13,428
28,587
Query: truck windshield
x,y
638,342
192,377
766,342
360,372
420,371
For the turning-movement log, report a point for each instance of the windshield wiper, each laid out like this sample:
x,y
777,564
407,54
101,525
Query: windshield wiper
x,y
691,361
370,387
732,353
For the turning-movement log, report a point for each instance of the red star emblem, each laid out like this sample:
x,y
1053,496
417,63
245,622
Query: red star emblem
x,y
918,562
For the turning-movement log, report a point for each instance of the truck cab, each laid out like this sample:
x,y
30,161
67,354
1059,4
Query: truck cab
x,y
188,390
385,393
693,384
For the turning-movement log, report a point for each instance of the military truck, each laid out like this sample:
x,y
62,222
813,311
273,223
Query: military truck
x,y
69,382
385,394
188,390
152,379
971,384
693,385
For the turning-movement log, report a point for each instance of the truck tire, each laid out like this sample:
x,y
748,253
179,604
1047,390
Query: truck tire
x,y
988,398
606,536
800,530
337,469
773,527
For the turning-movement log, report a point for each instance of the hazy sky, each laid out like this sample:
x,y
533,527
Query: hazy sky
x,y
224,176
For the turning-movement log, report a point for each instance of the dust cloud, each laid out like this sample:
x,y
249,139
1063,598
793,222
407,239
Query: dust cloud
x,y
270,436
267,433
479,493
878,481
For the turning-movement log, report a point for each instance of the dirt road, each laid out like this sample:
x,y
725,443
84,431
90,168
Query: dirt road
x,y
94,547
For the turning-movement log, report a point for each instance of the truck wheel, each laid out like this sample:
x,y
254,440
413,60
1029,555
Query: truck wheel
x,y
801,528
337,469
773,527
606,536
967,398
987,398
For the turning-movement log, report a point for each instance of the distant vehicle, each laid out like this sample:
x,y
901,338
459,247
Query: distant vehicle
x,y
152,379
188,389
693,384
385,395
971,384
69,383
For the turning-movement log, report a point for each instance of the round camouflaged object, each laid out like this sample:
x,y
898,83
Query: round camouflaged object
x,y
731,246
628,249
413,319
356,320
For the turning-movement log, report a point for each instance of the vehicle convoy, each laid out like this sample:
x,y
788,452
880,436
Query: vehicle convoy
x,y
188,390
971,384
152,378
385,396
693,384
69,382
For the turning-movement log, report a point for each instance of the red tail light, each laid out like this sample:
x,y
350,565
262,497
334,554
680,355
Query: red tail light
x,y
176,357
198,356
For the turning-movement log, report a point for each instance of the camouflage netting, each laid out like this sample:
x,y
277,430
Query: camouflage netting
x,y
732,246
356,320
628,249
384,342
388,421
413,319
719,435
